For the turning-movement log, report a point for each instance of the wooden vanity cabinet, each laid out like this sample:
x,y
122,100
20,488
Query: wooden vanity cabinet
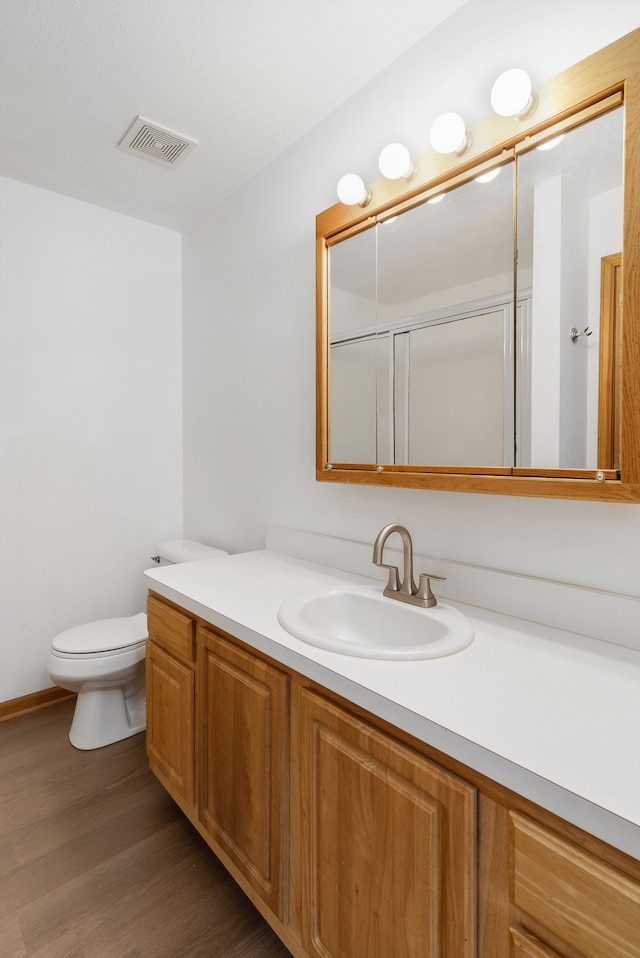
x,y
243,721
170,681
352,838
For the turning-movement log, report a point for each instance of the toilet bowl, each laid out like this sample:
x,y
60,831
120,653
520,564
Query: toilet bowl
x,y
104,662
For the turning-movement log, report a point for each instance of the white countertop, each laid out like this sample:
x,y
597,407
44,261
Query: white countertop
x,y
552,715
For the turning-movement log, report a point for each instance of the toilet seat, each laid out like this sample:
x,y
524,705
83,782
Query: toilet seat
x,y
104,637
87,656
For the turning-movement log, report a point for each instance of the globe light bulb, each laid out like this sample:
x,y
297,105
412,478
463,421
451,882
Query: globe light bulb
x,y
511,94
551,144
448,134
395,162
487,177
352,190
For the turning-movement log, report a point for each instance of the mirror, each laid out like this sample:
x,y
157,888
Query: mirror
x,y
470,333
431,352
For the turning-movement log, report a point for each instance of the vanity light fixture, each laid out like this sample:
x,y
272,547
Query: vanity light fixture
x,y
352,190
396,164
449,135
512,95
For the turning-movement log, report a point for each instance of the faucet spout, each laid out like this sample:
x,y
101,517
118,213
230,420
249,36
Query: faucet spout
x,y
407,585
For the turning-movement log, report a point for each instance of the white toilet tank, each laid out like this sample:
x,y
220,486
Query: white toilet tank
x,y
185,550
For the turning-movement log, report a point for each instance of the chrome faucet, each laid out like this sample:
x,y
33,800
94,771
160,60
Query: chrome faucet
x,y
405,591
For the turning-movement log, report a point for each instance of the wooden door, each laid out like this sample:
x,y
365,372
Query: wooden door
x,y
171,722
610,372
388,854
244,806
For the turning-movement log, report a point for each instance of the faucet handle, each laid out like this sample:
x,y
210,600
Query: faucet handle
x,y
393,584
424,588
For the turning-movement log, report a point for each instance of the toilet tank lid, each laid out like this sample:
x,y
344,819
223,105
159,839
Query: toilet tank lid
x,y
105,635
187,550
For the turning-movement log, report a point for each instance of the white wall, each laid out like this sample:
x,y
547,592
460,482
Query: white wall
x,y
249,318
90,418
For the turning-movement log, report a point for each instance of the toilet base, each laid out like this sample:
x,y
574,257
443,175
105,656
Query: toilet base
x,y
104,716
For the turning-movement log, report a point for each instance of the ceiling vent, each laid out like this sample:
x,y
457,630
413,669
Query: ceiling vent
x,y
156,143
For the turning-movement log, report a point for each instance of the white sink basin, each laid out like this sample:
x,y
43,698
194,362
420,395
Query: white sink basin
x,y
360,621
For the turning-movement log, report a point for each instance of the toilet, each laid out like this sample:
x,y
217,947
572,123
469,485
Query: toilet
x,y
104,663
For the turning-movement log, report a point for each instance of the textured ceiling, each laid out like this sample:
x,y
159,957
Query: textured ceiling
x,y
246,78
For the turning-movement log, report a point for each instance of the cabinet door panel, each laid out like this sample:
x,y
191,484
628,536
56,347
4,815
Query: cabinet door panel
x,y
527,946
171,720
388,844
244,801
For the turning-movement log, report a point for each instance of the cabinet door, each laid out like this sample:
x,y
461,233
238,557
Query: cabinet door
x,y
171,721
244,775
388,853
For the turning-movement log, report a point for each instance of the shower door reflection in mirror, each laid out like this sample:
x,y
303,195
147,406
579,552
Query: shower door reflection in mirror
x,y
421,333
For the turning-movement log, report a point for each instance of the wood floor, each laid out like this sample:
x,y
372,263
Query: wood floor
x,y
96,861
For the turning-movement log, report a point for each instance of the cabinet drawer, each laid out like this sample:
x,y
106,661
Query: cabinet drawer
x,y
583,901
171,628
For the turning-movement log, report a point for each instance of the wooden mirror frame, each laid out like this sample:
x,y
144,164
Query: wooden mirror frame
x,y
600,82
